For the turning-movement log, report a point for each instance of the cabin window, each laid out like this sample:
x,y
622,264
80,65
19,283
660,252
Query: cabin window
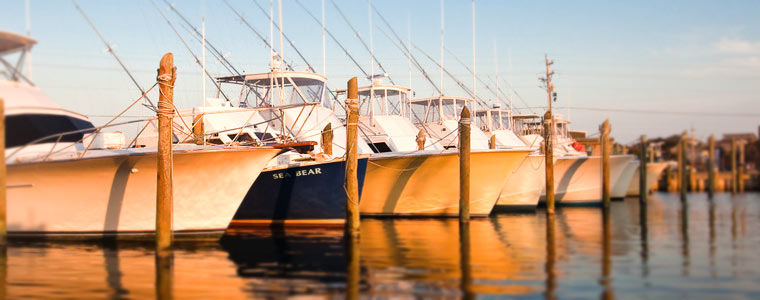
x,y
380,147
23,129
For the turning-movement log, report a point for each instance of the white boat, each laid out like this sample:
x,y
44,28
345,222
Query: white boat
x,y
577,175
523,187
654,170
56,184
402,180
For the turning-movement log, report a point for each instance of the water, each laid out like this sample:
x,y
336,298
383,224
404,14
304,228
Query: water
x,y
706,250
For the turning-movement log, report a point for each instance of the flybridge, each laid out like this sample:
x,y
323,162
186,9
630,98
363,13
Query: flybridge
x,y
11,43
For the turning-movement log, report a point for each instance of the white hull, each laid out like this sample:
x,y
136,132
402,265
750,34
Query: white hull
x,y
620,186
427,184
117,194
578,179
523,187
653,173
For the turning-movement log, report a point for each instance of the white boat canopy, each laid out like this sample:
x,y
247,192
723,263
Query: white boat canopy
x,y
437,109
275,88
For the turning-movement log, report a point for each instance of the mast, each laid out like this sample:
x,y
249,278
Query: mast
x,y
29,34
203,53
282,55
324,42
441,69
474,70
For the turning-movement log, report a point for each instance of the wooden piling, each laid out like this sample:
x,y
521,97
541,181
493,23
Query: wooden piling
x,y
606,149
167,75
682,168
492,142
643,190
549,161
3,174
421,139
740,169
711,166
464,165
352,183
734,179
327,139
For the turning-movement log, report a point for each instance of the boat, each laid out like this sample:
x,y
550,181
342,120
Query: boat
x,y
619,187
403,180
654,170
523,187
301,187
577,175
66,176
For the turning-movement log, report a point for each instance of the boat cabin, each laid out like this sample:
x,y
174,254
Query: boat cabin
x,y
32,116
494,119
439,109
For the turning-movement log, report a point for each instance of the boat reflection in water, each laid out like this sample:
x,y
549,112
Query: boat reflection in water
x,y
508,255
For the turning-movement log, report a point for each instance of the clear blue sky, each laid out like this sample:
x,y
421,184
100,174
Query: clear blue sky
x,y
669,56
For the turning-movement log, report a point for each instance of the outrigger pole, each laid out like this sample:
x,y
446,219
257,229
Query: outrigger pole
x,y
110,50
198,61
358,36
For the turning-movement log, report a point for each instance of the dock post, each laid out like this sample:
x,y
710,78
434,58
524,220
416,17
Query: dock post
x,y
711,167
740,169
421,140
167,75
3,174
464,165
327,139
549,161
492,142
734,179
682,166
606,149
643,190
352,183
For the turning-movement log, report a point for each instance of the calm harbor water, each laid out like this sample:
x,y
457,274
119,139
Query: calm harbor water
x,y
707,249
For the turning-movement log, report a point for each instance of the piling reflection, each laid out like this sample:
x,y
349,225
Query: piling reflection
x,y
353,270
711,234
164,266
551,277
684,217
465,285
606,280
644,239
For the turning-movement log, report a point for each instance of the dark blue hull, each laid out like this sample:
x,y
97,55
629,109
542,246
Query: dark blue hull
x,y
301,195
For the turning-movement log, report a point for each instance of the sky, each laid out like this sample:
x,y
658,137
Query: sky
x,y
650,67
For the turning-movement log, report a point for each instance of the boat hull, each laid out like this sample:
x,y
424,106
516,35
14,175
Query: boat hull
x,y
304,195
620,186
117,194
578,179
653,173
523,187
427,184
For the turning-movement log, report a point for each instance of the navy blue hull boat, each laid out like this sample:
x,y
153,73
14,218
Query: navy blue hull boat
x,y
311,194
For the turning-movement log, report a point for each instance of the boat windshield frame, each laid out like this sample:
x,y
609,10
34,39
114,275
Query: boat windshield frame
x,y
438,109
492,119
275,89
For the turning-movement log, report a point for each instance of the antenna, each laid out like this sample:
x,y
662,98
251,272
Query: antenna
x,y
371,46
509,77
474,70
29,34
442,27
203,52
409,46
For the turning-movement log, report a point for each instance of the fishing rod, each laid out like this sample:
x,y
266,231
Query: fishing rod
x,y
197,60
404,49
227,65
358,36
459,83
258,34
473,73
110,50
334,39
